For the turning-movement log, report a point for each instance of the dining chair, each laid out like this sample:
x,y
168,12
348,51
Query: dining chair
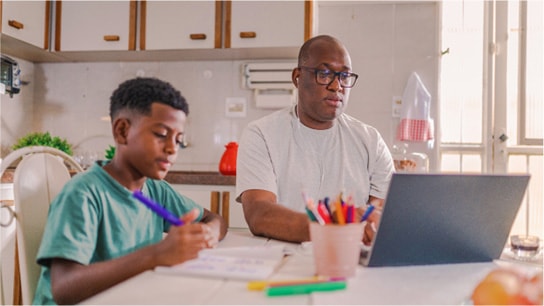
x,y
38,178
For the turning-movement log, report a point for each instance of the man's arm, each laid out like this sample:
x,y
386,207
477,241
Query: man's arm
x,y
267,218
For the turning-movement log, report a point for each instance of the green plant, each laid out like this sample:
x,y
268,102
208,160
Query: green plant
x,y
43,139
110,151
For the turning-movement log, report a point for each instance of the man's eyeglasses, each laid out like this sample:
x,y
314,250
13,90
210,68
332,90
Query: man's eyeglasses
x,y
326,77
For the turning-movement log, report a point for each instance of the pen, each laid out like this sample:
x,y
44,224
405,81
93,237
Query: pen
x,y
305,288
349,213
261,285
367,213
326,203
324,213
159,210
339,212
310,214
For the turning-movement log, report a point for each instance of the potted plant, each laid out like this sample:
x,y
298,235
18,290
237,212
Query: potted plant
x,y
43,139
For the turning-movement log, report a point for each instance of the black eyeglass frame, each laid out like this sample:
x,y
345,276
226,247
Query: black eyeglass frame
x,y
342,75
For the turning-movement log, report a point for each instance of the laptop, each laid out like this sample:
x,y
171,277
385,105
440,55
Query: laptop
x,y
445,218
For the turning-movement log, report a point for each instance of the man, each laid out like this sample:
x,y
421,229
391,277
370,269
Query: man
x,y
312,147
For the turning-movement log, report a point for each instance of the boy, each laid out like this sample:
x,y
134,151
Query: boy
x,y
97,234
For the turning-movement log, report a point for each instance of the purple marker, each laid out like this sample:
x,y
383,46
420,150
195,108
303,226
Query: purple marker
x,y
156,208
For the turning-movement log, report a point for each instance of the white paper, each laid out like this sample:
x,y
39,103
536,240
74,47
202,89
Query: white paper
x,y
242,263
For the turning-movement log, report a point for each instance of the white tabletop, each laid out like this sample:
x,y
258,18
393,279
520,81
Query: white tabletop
x,y
432,284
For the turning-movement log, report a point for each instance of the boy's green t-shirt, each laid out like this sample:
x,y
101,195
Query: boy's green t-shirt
x,y
94,218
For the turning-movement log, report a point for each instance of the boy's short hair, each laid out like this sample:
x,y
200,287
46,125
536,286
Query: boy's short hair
x,y
138,94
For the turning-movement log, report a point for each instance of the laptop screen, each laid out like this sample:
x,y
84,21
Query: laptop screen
x,y
446,218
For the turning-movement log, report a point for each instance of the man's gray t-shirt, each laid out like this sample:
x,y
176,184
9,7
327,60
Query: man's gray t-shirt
x,y
279,154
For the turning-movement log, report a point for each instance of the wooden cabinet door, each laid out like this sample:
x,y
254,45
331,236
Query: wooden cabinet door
x,y
173,25
95,25
27,21
265,24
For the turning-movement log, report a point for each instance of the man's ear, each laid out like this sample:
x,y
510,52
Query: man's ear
x,y
120,129
294,76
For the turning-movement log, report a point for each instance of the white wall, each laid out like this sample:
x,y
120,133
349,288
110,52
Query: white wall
x,y
387,41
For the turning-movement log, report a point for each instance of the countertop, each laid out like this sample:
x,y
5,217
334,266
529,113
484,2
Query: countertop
x,y
173,177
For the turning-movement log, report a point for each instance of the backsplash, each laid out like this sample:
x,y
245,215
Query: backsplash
x,y
387,42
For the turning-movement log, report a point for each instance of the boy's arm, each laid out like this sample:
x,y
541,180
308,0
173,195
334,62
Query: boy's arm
x,y
72,282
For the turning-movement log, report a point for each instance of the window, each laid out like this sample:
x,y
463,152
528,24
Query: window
x,y
491,95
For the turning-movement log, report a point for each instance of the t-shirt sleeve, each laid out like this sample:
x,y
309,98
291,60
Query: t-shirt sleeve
x,y
70,231
382,170
254,169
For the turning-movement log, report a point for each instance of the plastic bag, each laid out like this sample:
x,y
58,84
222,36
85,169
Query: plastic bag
x,y
416,123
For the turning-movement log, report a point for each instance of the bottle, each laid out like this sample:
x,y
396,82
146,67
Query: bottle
x,y
227,165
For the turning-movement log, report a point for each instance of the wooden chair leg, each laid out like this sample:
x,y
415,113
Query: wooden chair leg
x,y
225,204
214,202
17,291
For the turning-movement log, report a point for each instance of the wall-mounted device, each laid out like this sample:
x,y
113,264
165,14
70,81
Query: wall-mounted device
x,y
10,81
271,82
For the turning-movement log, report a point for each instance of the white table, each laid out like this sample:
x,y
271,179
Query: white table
x,y
433,284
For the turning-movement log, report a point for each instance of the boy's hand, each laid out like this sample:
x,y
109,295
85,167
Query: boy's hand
x,y
211,239
184,242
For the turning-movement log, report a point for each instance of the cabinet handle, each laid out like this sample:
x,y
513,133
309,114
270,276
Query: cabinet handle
x,y
111,37
199,36
16,24
248,34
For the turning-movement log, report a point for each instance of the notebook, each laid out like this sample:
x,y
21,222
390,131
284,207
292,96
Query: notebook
x,y
238,263
445,218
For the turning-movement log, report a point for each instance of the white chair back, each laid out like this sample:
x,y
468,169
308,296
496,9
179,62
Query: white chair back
x,y
38,178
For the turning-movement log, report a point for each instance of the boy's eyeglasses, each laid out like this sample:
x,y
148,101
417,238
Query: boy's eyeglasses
x,y
326,77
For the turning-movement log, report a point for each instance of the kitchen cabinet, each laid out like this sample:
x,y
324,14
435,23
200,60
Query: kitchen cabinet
x,y
202,194
251,24
174,25
87,31
27,21
95,25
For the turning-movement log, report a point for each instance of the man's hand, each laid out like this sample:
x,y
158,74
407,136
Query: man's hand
x,y
371,226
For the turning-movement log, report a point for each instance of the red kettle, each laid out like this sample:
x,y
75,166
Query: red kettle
x,y
227,165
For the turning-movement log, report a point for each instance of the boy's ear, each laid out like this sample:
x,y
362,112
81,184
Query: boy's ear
x,y
120,130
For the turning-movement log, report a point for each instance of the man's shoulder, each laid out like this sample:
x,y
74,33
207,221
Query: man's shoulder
x,y
278,117
355,124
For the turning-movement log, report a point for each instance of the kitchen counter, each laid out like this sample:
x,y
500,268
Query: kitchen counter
x,y
173,177
199,178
